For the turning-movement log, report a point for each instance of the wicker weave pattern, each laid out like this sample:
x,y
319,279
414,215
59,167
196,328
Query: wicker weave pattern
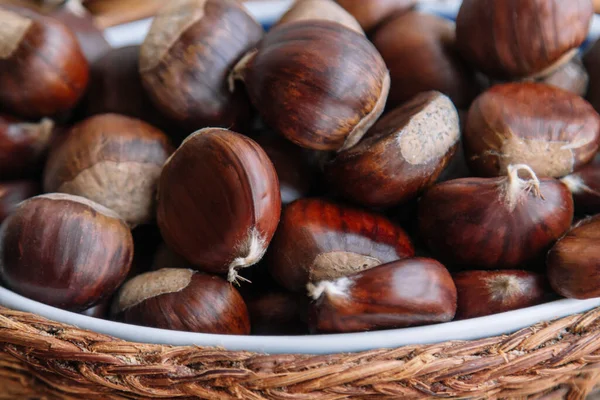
x,y
43,358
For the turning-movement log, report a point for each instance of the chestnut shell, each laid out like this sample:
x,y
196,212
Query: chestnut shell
x,y
206,304
475,223
187,56
371,13
318,83
483,293
219,201
553,131
507,39
43,71
40,259
573,264
416,291
420,51
584,184
319,240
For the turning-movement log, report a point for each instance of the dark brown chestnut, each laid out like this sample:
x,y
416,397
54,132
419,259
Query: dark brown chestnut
x,y
43,71
65,251
318,240
495,223
417,291
420,51
13,193
318,83
591,61
572,77
400,156
327,10
553,131
279,313
373,12
297,176
90,37
116,87
512,39
584,184
113,160
183,300
573,264
186,59
482,293
23,146
219,201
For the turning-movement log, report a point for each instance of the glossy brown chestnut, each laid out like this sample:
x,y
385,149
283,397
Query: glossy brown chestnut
x,y
591,61
90,37
372,12
113,160
296,174
116,87
188,54
183,300
512,39
13,193
43,71
571,77
420,51
327,10
573,264
483,293
495,223
553,131
23,146
318,83
65,251
585,187
400,156
279,313
417,291
219,201
318,240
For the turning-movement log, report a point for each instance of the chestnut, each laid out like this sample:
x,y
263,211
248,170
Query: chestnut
x,y
318,83
279,313
584,184
90,37
572,77
553,131
420,51
591,61
515,39
327,10
184,300
65,251
416,291
400,156
319,240
116,87
23,146
219,201
113,160
43,71
13,193
495,223
373,12
297,176
188,54
482,293
573,263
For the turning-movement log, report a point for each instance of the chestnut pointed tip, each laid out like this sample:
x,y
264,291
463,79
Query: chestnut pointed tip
x,y
338,287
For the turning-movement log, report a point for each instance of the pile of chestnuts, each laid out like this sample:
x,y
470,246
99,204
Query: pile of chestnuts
x,y
360,166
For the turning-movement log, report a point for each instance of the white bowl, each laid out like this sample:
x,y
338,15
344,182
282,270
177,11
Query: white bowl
x,y
476,328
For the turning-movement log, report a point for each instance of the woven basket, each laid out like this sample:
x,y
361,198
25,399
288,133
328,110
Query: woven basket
x,y
43,359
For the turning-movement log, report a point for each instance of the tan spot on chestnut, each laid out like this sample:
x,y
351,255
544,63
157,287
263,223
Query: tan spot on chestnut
x,y
13,29
337,264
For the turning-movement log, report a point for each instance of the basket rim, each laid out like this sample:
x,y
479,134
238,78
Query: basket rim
x,y
471,329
